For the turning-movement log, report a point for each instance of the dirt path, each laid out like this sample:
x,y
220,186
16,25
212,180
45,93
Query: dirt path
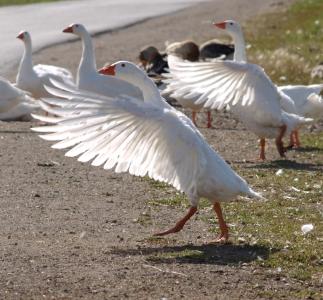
x,y
71,231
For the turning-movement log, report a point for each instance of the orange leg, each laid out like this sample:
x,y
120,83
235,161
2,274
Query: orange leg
x,y
180,224
294,140
291,140
224,235
194,118
279,141
262,155
297,142
209,119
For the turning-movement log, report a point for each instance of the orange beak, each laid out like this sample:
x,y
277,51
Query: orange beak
x,y
68,29
109,70
20,36
220,25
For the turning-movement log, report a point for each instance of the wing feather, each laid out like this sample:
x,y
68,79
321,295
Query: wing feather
x,y
220,83
129,135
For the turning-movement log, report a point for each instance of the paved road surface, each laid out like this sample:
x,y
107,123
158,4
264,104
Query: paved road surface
x,y
46,21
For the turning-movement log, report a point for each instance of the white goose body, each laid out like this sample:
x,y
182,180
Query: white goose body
x,y
144,138
306,103
15,104
256,101
87,76
33,78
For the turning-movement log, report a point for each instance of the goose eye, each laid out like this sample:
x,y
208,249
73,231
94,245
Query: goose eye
x,y
76,25
231,23
123,65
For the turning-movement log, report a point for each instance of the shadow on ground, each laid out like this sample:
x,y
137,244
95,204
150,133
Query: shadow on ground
x,y
308,149
287,164
228,254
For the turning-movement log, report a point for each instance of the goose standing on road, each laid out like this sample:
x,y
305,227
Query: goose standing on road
x,y
33,78
144,138
87,77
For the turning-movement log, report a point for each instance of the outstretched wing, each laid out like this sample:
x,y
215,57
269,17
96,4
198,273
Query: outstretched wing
x,y
126,134
241,86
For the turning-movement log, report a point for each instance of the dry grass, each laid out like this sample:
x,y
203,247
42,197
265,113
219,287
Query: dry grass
x,y
288,44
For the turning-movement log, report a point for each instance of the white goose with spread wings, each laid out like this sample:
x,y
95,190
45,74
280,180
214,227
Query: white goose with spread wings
x,y
33,78
144,138
240,86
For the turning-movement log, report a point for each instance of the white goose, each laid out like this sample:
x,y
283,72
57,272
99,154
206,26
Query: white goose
x,y
307,102
33,78
144,138
240,86
15,104
87,77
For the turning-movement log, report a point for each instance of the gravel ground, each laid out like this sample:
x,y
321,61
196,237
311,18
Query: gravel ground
x,y
71,231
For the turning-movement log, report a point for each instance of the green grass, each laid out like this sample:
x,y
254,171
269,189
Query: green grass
x,y
176,200
288,44
272,227
20,2
294,199
277,224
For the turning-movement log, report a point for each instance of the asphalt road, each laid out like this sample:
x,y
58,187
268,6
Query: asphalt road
x,y
45,21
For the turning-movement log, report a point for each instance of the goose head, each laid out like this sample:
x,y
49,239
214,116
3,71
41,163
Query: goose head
x,y
124,70
24,36
234,30
232,27
77,29
131,73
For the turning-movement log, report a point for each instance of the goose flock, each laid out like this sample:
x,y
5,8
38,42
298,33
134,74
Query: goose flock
x,y
117,118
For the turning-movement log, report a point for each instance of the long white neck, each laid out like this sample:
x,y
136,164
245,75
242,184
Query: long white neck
x,y
26,63
148,88
87,63
239,47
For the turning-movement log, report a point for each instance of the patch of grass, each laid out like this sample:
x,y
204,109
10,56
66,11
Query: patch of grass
x,y
314,142
144,219
176,200
294,199
288,44
156,184
160,241
20,2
